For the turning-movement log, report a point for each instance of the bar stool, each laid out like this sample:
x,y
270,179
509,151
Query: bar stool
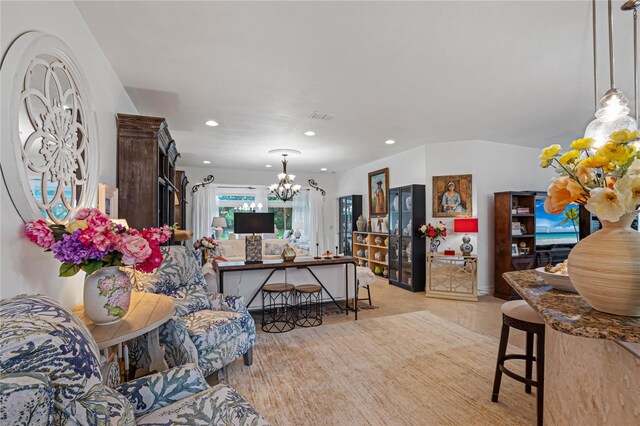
x,y
518,314
279,313
309,313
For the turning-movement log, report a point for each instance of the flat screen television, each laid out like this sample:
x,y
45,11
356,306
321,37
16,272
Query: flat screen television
x,y
556,230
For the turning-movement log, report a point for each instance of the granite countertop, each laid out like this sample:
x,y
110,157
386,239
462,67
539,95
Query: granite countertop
x,y
569,312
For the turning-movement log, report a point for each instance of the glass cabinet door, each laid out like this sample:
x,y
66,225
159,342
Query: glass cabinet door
x,y
395,231
406,231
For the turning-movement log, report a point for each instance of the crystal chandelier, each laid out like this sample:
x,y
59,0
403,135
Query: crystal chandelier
x,y
285,189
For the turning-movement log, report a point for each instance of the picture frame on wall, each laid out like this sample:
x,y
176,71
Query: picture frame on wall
x,y
452,196
108,200
378,183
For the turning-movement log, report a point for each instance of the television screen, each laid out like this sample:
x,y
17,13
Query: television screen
x,y
555,229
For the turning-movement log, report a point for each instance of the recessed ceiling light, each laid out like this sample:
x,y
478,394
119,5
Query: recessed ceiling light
x,y
268,166
206,162
324,169
389,141
211,123
310,133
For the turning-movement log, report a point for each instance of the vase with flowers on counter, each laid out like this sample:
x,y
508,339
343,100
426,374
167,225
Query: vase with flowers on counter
x,y
605,266
94,244
434,233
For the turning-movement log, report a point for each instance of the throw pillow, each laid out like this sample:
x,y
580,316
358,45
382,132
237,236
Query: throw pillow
x,y
272,249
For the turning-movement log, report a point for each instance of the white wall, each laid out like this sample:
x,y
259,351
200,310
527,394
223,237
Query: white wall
x,y
495,167
25,267
266,177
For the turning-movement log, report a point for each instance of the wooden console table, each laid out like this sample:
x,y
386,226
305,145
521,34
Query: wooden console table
x,y
279,265
147,312
452,277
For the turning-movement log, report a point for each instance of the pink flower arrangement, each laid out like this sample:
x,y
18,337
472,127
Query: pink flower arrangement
x,y
91,241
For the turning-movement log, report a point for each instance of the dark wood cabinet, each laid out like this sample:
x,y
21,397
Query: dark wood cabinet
x,y
145,171
407,251
505,215
181,202
349,209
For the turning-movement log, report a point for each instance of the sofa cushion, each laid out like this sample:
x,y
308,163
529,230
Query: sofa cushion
x,y
190,299
209,328
274,248
180,268
219,405
26,398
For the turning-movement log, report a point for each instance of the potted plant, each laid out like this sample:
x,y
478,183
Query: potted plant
x,y
604,267
94,244
434,232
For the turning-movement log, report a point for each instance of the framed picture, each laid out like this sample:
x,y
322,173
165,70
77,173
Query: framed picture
x,y
514,249
452,196
523,229
108,200
378,192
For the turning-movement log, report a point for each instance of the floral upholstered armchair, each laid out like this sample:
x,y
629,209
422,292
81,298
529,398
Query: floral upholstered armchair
x,y
50,374
208,330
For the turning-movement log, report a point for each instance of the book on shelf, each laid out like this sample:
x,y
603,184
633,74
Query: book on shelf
x,y
523,210
516,228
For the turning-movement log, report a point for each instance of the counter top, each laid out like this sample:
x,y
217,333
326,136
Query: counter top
x,y
569,313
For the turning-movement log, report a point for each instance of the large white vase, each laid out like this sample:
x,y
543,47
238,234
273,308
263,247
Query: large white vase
x,y
605,268
107,294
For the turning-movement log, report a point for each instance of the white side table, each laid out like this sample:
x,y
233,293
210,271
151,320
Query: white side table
x,y
452,277
147,312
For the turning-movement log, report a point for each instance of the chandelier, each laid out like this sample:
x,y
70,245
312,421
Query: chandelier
x,y
285,189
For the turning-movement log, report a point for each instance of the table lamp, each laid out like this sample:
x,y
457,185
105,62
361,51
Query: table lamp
x,y
466,225
217,224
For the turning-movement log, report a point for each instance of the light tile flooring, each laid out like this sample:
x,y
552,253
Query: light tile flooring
x,y
483,316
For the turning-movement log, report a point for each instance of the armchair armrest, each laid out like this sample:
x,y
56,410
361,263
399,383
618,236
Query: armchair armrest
x,y
26,398
224,302
158,390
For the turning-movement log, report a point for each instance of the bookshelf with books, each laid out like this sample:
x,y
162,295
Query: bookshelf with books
x,y
515,237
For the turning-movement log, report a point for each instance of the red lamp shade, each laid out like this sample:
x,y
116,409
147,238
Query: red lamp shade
x,y
465,225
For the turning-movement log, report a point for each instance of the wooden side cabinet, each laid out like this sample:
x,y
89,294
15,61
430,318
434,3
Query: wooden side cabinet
x,y
452,277
145,171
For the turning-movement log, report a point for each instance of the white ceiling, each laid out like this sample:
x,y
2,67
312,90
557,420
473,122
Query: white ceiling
x,y
510,72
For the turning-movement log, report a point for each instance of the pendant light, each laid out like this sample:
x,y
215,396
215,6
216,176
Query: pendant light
x,y
613,110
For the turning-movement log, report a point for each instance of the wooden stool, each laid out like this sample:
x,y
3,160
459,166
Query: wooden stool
x,y
309,312
518,314
279,314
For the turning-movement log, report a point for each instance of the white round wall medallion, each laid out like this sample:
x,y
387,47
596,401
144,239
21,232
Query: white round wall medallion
x,y
49,154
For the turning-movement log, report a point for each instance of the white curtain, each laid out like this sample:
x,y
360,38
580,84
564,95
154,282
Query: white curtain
x,y
261,193
301,216
316,219
203,210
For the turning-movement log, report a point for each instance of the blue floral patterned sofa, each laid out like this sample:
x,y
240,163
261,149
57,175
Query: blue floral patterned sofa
x,y
50,374
208,330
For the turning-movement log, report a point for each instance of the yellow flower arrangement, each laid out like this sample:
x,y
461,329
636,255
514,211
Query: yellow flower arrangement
x,y
605,180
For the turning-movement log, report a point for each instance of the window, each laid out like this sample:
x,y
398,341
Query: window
x,y
232,199
283,214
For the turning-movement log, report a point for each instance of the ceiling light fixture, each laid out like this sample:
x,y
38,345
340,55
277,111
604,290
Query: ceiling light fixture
x,y
389,141
211,123
310,133
324,169
613,111
268,166
285,190
206,162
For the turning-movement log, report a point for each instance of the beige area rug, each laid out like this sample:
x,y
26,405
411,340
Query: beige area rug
x,y
409,369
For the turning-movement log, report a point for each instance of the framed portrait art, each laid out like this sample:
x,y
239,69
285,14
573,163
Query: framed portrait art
x,y
378,192
452,196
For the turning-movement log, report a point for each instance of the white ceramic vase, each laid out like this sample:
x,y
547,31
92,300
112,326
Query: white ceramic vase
x,y
605,268
361,223
107,294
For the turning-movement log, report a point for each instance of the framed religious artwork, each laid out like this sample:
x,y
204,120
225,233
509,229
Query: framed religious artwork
x,y
452,196
108,200
378,184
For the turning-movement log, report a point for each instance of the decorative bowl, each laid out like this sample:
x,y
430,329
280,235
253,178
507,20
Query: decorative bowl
x,y
557,281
